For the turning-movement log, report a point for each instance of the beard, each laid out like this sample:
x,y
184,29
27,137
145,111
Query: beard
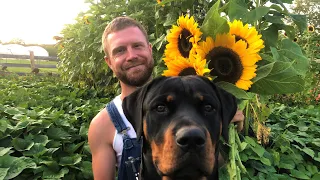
x,y
138,78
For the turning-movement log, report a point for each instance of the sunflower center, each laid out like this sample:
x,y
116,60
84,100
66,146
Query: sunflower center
x,y
183,43
225,64
188,71
311,28
240,38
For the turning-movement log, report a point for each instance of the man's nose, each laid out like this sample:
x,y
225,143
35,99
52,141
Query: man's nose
x,y
132,54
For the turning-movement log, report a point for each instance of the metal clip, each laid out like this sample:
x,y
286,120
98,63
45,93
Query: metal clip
x,y
131,161
125,131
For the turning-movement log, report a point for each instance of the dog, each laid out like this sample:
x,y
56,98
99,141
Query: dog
x,y
180,120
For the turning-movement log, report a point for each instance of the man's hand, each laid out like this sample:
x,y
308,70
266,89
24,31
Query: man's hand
x,y
239,119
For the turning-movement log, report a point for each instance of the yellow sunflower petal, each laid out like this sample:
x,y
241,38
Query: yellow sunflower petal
x,y
246,33
183,38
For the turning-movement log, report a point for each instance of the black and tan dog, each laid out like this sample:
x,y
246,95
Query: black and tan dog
x,y
180,120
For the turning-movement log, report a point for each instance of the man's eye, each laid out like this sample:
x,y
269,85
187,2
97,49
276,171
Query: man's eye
x,y
161,108
209,108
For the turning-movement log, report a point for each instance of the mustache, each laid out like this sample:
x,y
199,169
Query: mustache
x,y
132,64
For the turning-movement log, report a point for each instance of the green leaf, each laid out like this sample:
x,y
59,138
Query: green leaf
x,y
18,166
281,80
49,174
13,111
250,141
237,92
270,36
259,150
22,144
71,148
273,20
36,150
316,176
312,168
4,151
257,14
286,163
70,160
300,21
293,51
42,139
213,23
3,173
263,71
298,174
3,125
308,151
237,10
21,125
58,133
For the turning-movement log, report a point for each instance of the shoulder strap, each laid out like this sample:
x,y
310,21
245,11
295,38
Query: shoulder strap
x,y
116,118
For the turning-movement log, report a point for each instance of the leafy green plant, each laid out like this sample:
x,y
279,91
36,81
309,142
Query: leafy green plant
x,y
293,151
43,128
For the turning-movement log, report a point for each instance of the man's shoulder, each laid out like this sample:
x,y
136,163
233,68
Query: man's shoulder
x,y
101,118
101,125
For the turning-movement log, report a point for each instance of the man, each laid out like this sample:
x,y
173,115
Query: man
x,y
129,55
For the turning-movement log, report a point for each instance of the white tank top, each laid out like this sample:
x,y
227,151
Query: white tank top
x,y
118,140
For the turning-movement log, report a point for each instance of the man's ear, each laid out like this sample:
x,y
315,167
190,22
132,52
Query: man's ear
x,y
108,61
133,106
228,103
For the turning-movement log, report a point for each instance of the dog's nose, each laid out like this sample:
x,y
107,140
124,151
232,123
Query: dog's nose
x,y
190,139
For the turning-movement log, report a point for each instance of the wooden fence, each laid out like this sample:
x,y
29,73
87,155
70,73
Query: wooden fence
x,y
32,58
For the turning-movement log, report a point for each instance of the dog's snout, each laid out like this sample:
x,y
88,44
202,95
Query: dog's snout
x,y
190,139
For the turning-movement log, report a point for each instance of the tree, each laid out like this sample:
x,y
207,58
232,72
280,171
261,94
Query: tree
x,y
311,8
17,41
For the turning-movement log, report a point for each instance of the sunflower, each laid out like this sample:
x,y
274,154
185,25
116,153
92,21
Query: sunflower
x,y
182,38
249,35
181,66
229,60
86,20
310,28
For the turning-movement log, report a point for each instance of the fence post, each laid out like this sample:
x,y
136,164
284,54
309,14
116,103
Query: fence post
x,y
32,60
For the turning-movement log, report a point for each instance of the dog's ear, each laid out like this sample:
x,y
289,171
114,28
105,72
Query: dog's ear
x,y
133,106
229,108
228,103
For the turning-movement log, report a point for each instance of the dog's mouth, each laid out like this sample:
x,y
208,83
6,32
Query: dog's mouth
x,y
189,166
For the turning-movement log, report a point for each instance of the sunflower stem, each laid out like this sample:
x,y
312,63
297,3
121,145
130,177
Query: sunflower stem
x,y
257,23
247,119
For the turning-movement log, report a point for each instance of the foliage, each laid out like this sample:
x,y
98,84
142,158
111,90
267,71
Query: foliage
x,y
80,50
309,42
43,128
293,151
311,8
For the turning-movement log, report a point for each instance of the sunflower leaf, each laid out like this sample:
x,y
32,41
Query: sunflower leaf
x,y
213,23
300,21
282,79
237,9
293,52
237,92
256,14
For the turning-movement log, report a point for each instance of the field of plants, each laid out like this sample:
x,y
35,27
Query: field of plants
x,y
44,119
44,123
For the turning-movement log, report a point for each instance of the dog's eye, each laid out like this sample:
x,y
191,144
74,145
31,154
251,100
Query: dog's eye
x,y
161,108
208,108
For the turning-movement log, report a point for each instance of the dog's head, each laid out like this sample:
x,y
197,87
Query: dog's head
x,y
181,120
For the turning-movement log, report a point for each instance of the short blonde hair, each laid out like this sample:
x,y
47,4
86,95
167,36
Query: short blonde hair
x,y
120,23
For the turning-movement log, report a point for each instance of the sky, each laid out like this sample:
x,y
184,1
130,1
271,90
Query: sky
x,y
37,21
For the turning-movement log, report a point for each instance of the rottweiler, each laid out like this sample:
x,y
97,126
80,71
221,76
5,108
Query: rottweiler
x,y
180,120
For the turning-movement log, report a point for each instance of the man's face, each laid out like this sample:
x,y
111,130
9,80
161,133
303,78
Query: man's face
x,y
130,56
